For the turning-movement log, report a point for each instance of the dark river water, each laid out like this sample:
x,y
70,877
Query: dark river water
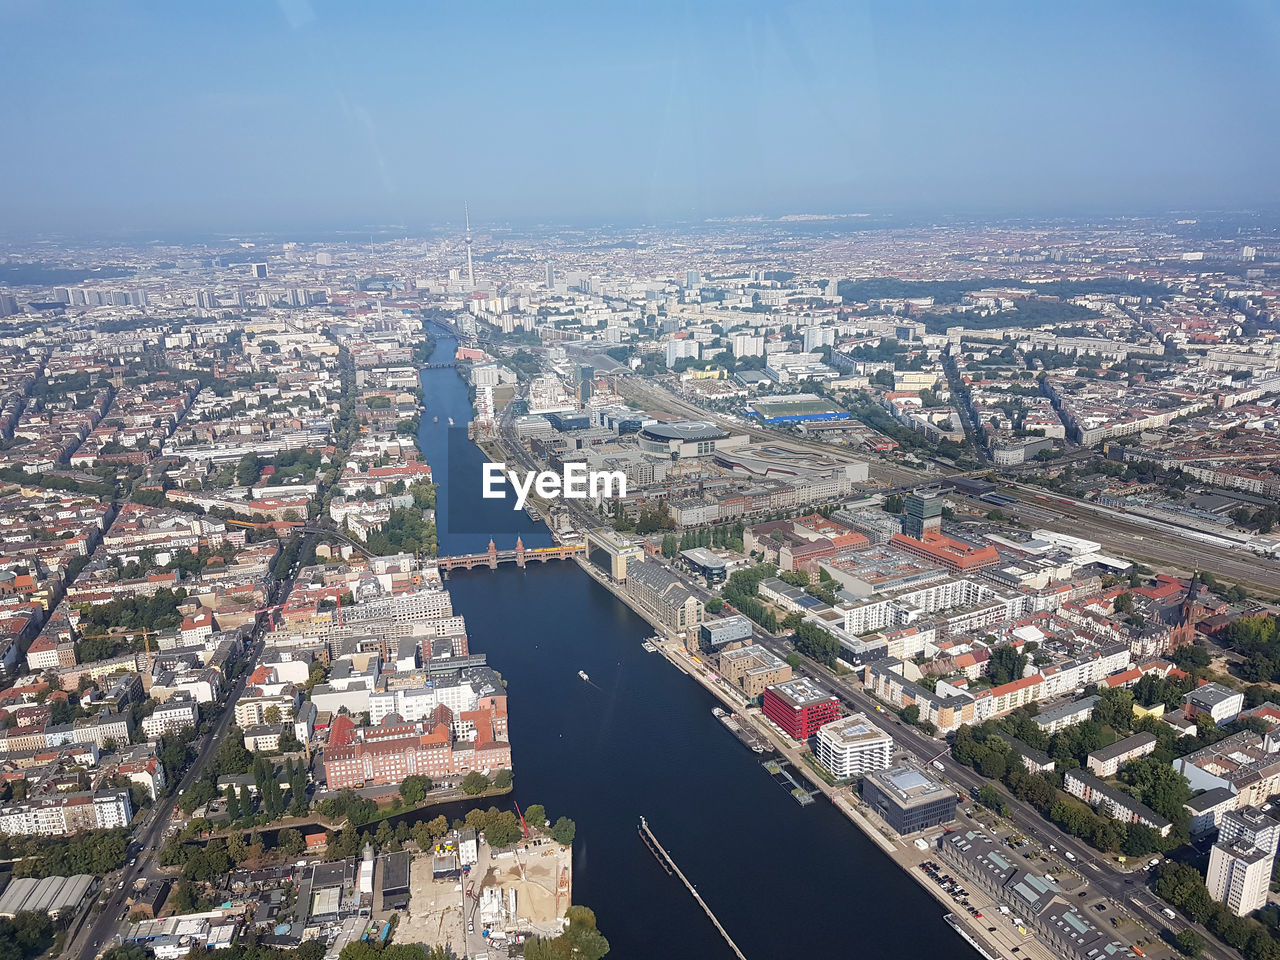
x,y
639,739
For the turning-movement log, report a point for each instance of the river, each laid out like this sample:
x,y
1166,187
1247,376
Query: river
x,y
639,739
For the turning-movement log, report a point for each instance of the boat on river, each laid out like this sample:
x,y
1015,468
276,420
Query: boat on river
x,y
954,923
435,419
752,740
583,675
648,647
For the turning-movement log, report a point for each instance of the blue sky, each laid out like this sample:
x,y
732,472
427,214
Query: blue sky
x,y
123,117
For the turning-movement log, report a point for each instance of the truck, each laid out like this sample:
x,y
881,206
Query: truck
x,y
939,765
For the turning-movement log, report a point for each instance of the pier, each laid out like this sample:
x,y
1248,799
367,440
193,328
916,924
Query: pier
x,y
668,864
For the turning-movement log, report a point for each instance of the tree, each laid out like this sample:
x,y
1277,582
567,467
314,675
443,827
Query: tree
x,y
292,842
535,815
911,714
563,831
474,782
503,831
1189,942
714,605
1006,664
271,714
414,789
233,804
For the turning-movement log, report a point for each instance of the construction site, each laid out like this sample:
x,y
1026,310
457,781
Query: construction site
x,y
503,896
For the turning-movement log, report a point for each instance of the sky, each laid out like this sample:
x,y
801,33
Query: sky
x,y
123,117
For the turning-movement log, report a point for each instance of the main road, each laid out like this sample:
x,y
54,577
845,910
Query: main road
x,y
95,934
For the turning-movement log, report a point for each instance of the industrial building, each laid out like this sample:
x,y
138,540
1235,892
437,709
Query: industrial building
x,y
907,799
58,897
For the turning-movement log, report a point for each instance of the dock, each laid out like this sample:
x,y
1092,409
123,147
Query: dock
x,y
669,865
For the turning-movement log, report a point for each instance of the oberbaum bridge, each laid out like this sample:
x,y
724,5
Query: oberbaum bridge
x,y
519,556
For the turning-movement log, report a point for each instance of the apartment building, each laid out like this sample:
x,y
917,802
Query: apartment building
x,y
853,746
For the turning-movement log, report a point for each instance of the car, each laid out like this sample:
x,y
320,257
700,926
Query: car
x,y
1153,862
978,914
133,862
471,926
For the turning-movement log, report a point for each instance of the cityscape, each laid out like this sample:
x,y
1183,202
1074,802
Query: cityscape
x,y
755,581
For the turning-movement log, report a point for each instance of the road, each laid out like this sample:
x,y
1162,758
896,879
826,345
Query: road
x,y
99,929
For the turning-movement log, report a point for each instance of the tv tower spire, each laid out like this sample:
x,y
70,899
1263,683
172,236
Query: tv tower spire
x,y
471,270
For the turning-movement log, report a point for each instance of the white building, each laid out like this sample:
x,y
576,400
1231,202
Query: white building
x,y
678,349
853,746
176,714
1239,877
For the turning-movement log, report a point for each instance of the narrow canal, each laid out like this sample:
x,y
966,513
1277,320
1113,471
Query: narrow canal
x,y
639,739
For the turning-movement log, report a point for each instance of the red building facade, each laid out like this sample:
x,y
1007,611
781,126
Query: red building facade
x,y
800,707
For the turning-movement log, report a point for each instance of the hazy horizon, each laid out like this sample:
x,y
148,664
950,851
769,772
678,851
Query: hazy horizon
x,y
138,118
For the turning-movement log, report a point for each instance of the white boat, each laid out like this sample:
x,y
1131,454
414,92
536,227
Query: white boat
x,y
451,421
435,419
648,647
583,675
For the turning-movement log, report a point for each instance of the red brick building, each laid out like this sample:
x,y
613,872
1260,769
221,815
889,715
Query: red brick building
x,y
800,707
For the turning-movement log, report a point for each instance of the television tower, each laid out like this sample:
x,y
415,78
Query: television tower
x,y
471,270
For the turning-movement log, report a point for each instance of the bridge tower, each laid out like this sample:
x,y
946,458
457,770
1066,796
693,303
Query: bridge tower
x,y
493,555
519,551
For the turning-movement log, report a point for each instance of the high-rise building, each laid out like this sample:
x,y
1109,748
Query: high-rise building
x,y
551,277
923,513
8,305
692,279
205,300
1239,877
259,271
1250,827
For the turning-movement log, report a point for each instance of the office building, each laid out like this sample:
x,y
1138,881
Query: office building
x,y
753,669
718,634
799,707
907,799
551,277
853,746
704,563
1239,877
923,513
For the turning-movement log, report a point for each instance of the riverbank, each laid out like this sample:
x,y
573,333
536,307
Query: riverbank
x,y
906,856
436,799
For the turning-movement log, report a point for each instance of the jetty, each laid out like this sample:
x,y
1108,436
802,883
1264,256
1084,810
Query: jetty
x,y
669,865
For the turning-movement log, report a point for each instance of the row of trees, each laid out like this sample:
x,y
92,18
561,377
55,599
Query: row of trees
x,y
1184,888
97,852
740,591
